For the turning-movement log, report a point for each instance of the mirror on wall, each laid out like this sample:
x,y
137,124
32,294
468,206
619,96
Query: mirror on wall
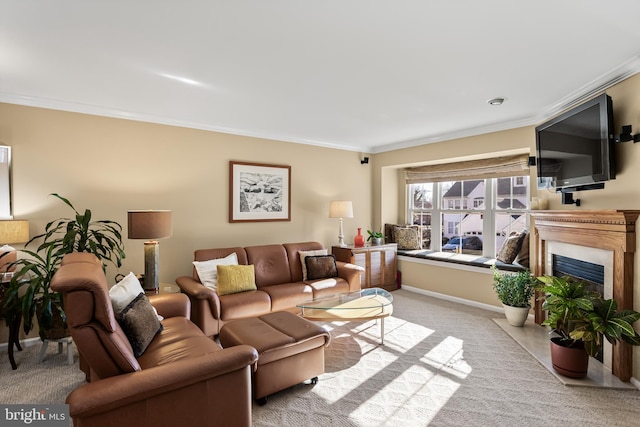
x,y
5,182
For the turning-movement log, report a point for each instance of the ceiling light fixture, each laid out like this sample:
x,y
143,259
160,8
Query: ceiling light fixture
x,y
496,101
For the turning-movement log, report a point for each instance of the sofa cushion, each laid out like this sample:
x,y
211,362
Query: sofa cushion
x,y
208,270
179,339
321,267
244,304
139,323
287,295
271,264
235,278
327,287
304,255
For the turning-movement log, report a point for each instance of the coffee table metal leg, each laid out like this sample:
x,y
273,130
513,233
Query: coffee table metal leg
x,y
382,331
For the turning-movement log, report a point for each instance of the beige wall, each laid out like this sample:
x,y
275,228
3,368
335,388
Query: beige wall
x,y
111,166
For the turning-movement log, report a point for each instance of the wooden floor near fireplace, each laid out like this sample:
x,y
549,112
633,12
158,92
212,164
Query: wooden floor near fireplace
x,y
535,339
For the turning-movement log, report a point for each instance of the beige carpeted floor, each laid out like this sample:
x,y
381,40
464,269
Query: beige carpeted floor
x,y
443,364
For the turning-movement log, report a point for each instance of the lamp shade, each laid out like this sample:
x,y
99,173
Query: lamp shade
x,y
14,231
341,209
149,224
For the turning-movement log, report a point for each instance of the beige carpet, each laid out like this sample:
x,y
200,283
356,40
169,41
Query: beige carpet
x,y
443,364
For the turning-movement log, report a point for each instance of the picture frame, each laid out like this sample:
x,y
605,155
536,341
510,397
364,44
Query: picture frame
x,y
259,192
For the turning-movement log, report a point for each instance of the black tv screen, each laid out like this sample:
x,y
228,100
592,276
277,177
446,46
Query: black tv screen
x,y
576,149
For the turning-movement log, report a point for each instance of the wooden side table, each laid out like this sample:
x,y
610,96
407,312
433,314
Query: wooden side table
x,y
379,262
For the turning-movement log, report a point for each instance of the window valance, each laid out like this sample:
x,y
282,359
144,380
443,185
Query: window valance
x,y
495,167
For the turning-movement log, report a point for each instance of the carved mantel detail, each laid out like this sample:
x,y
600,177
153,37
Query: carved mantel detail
x,y
613,230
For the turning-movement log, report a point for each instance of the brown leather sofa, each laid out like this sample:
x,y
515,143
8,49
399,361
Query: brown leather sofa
x,y
278,275
182,378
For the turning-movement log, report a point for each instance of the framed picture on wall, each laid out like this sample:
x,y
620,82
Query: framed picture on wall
x,y
259,192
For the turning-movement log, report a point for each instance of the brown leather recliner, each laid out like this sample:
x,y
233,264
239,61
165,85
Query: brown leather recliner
x,y
182,378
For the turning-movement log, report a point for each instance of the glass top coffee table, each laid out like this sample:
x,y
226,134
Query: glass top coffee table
x,y
365,304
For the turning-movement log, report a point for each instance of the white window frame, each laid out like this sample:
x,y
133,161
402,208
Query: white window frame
x,y
489,213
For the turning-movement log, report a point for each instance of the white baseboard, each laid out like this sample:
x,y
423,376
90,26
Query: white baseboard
x,y
454,299
24,343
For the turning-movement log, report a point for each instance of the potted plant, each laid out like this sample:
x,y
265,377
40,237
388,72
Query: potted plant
x,y
375,237
515,290
581,319
29,290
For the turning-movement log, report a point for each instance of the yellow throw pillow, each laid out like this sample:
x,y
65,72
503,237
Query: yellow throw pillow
x,y
236,278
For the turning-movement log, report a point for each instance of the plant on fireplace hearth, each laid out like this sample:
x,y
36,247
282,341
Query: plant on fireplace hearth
x,y
582,318
577,314
515,291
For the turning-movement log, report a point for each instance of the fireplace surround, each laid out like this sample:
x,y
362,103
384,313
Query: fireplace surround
x,y
605,230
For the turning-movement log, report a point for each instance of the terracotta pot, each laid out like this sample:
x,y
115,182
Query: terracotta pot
x,y
572,362
516,316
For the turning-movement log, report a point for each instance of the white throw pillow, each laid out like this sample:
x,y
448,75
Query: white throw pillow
x,y
304,254
208,270
125,291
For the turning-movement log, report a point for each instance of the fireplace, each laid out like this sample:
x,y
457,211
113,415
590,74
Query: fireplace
x,y
606,238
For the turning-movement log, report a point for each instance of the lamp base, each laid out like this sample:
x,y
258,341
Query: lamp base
x,y
151,256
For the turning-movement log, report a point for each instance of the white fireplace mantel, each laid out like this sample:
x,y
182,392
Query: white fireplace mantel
x,y
611,230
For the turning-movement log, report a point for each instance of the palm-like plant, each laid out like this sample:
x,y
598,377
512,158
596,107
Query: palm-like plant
x,y
33,277
102,238
578,315
29,291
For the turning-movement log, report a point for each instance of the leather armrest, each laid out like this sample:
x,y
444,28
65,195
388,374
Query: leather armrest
x,y
351,273
171,305
193,288
197,291
117,393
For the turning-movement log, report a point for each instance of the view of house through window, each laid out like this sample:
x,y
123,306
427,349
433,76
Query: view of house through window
x,y
469,217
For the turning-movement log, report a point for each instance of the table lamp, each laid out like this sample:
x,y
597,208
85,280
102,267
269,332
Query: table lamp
x,y
341,209
150,225
11,231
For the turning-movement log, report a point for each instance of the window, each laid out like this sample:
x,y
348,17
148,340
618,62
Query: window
x,y
470,216
5,183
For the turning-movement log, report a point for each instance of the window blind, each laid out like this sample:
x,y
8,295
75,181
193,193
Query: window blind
x,y
495,167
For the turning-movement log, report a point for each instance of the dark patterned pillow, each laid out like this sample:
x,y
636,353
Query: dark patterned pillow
x,y
139,323
523,255
321,267
510,247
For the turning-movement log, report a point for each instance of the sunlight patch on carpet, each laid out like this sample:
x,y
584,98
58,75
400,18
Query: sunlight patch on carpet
x,y
448,356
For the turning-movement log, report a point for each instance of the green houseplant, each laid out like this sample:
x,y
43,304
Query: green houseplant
x,y
515,291
29,290
581,320
375,237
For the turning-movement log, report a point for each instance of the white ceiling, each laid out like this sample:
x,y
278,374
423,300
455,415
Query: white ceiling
x,y
363,75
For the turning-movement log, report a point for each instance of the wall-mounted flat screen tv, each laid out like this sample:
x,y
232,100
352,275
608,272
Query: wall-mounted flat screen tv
x,y
576,149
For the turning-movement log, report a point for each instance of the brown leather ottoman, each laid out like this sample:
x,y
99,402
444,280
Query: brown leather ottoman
x,y
290,349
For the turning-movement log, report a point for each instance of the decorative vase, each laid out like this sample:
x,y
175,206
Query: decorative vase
x,y
358,241
572,362
516,316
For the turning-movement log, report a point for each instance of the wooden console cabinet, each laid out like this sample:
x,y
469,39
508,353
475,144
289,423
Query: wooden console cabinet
x,y
379,262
